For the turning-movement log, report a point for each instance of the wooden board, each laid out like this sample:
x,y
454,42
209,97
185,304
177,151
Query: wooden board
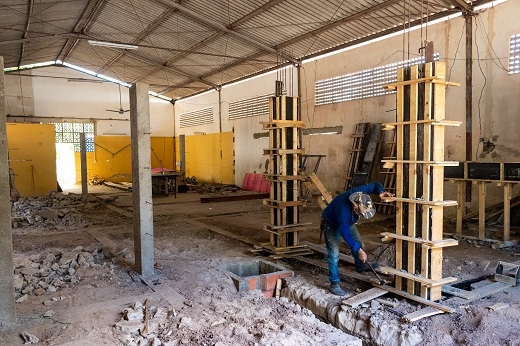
x,y
424,281
364,297
422,313
416,298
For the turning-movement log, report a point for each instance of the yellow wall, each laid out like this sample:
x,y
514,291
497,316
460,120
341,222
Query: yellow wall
x,y
112,157
210,158
32,155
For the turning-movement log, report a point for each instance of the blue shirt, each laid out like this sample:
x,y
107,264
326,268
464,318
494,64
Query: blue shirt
x,y
340,212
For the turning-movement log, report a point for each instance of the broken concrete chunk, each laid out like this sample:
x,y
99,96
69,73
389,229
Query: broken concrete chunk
x,y
29,338
47,214
21,262
48,313
49,259
22,298
68,257
30,271
185,322
131,314
18,282
129,326
55,266
51,288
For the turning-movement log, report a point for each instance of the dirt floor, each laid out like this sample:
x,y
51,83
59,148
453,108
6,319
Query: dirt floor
x,y
192,300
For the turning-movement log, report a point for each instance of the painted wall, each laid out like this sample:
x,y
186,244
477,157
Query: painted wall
x,y
112,157
34,161
248,152
63,92
494,119
210,158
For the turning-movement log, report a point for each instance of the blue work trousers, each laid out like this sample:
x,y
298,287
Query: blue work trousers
x,y
332,240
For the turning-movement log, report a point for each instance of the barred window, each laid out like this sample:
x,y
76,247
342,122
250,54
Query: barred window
x,y
70,133
362,84
514,54
198,117
251,107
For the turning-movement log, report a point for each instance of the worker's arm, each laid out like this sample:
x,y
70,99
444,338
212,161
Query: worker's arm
x,y
370,189
354,245
349,239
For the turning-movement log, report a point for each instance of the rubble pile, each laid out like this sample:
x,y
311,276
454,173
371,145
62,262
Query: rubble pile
x,y
135,328
41,273
55,209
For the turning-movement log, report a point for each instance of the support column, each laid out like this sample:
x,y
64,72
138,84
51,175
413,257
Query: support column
x,y
83,154
482,210
507,211
182,151
469,96
141,179
8,315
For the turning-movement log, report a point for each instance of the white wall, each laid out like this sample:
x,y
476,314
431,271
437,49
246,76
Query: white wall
x,y
57,92
249,156
499,114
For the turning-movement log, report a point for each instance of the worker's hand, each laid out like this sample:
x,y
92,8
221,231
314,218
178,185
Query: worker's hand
x,y
362,255
386,194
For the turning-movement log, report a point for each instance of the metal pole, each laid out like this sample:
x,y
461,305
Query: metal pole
x,y
83,154
469,95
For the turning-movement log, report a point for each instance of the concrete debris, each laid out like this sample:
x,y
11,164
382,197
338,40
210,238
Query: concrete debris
x,y
38,274
498,306
129,329
55,209
29,338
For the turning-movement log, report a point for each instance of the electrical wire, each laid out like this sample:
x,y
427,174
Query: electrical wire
x,y
328,22
481,92
489,45
456,51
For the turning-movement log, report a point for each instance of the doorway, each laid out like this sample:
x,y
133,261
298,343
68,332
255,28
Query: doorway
x,y
65,165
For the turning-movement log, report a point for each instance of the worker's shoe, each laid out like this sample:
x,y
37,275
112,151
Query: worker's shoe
x,y
336,289
363,267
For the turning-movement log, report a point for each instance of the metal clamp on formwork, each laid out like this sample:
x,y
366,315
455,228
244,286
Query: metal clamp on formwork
x,y
507,273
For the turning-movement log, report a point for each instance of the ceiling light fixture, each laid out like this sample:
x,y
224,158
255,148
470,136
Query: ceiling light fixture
x,y
111,44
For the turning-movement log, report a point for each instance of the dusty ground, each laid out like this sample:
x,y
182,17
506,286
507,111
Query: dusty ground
x,y
200,303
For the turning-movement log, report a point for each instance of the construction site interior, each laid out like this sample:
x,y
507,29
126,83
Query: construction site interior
x,y
164,166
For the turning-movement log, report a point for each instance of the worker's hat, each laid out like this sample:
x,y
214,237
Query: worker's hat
x,y
364,204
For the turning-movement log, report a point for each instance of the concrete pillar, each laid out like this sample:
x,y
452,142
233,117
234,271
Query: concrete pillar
x,y
83,154
8,312
141,179
182,151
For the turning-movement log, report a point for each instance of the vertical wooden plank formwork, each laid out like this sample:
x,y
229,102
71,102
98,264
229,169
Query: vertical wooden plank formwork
x,y
399,179
273,166
437,212
283,158
427,156
412,176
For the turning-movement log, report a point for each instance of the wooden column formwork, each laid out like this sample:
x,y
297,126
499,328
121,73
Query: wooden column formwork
x,y
420,165
284,161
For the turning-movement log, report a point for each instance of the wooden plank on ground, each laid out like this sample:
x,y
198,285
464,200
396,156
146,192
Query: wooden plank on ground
x,y
422,313
231,198
416,298
364,297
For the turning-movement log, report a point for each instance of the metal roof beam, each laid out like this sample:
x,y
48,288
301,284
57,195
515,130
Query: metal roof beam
x,y
254,13
171,69
216,35
462,5
218,70
342,21
81,26
152,26
27,24
220,27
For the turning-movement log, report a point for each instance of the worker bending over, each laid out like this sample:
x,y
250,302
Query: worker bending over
x,y
339,219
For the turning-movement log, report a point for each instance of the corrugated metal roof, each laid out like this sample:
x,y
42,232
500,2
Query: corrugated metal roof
x,y
191,45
